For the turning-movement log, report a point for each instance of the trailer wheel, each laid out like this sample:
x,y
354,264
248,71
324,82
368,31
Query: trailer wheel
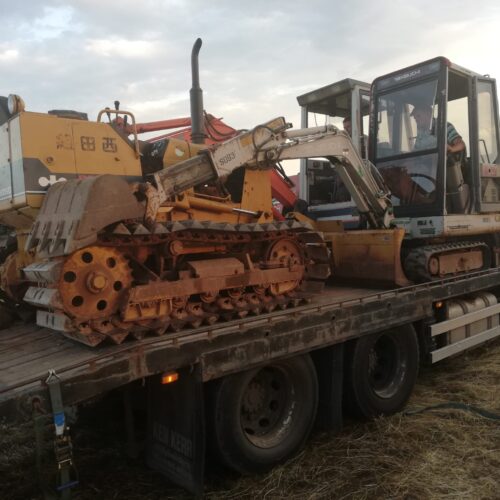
x,y
261,417
381,371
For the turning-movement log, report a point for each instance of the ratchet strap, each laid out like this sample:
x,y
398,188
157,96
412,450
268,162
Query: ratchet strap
x,y
67,477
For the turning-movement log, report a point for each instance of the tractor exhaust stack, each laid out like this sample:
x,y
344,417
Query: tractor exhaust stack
x,y
196,97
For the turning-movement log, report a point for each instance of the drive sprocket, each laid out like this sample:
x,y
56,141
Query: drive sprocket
x,y
93,282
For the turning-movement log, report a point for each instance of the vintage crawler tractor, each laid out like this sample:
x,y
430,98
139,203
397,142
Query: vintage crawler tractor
x,y
112,243
157,244
125,252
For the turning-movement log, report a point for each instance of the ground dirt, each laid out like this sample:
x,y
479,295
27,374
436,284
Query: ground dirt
x,y
442,453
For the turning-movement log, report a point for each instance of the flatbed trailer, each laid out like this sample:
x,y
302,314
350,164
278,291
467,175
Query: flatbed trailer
x,y
320,328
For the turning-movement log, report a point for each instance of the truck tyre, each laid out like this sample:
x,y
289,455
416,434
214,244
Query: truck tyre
x,y
261,417
381,370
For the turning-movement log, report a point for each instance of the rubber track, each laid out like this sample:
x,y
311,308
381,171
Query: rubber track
x,y
416,264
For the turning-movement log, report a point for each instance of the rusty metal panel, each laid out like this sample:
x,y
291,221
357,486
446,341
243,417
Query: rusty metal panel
x,y
211,268
459,262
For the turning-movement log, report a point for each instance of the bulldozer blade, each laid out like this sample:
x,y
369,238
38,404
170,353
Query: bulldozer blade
x,y
373,255
73,212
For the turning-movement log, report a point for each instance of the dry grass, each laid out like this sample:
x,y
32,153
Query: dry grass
x,y
442,454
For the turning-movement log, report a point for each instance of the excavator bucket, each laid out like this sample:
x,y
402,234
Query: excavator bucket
x,y
73,212
369,254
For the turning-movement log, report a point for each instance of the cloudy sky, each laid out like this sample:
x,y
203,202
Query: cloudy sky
x,y
257,55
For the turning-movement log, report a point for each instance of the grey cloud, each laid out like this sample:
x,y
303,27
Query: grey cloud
x,y
257,56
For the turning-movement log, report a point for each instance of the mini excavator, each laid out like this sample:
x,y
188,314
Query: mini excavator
x,y
434,138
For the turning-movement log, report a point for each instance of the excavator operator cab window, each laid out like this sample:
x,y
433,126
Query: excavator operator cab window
x,y
473,176
487,141
458,104
459,175
434,137
407,142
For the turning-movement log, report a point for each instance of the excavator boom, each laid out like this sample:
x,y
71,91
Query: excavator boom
x,y
267,144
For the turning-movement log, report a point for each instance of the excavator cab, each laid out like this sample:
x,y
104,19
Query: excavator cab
x,y
417,113
346,105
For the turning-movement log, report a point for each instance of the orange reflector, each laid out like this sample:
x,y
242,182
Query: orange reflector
x,y
438,305
168,378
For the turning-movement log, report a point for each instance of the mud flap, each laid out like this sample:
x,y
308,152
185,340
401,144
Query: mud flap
x,y
373,255
73,212
176,429
329,363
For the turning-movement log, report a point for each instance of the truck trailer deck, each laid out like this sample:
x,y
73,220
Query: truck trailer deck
x,y
28,352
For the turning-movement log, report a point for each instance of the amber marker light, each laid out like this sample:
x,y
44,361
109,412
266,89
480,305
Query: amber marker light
x,y
168,378
438,305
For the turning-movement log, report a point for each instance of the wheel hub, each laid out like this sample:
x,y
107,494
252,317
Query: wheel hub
x,y
96,282
385,367
264,406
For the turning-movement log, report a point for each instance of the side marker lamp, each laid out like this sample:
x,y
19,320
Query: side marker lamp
x,y
169,377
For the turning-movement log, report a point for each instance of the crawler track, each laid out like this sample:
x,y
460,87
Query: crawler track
x,y
425,263
136,282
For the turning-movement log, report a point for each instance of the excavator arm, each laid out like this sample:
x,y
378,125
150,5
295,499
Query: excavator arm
x,y
267,144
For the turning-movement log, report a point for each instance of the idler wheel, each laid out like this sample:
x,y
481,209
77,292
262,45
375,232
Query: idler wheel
x,y
284,252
